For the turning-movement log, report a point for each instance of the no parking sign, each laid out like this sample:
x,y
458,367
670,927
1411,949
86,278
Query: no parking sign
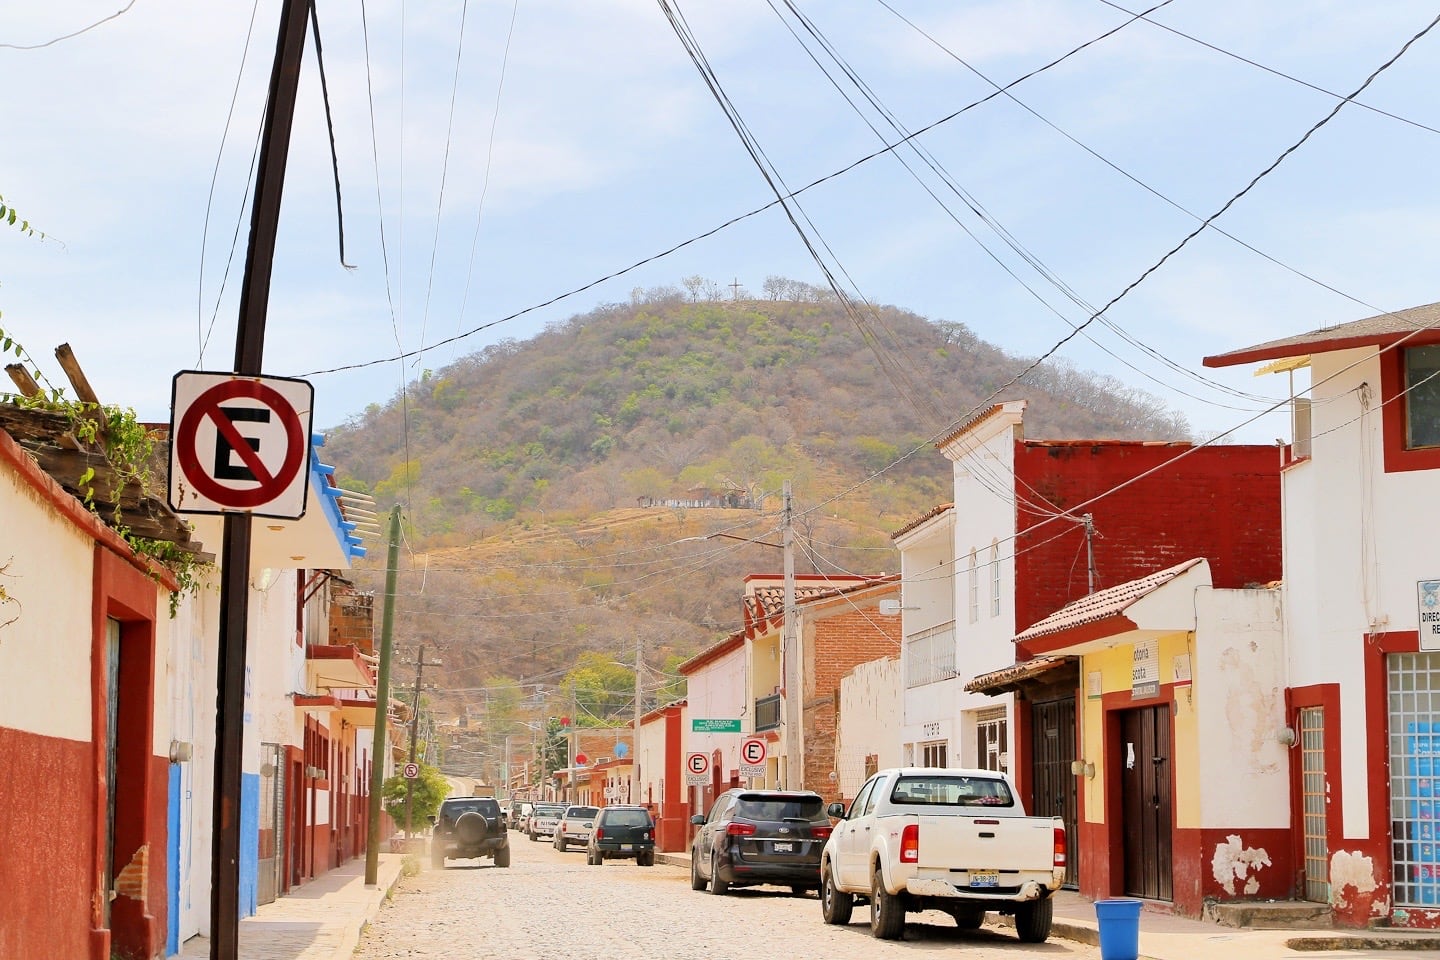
x,y
240,444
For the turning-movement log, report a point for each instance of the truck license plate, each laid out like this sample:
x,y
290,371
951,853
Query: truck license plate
x,y
985,878
786,847
627,846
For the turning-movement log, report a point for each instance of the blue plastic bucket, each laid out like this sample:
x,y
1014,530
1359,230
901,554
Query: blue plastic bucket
x,y
1119,928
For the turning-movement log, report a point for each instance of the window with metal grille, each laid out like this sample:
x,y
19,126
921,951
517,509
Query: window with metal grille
x,y
930,655
992,751
1413,682
935,754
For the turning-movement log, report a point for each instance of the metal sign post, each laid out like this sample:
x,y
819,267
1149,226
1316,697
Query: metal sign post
x,y
235,552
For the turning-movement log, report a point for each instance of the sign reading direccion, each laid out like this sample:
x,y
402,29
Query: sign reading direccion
x,y
701,725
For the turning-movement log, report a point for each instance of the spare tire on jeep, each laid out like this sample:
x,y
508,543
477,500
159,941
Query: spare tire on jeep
x,y
472,827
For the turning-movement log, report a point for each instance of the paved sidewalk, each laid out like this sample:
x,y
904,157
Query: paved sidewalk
x,y
1164,936
321,920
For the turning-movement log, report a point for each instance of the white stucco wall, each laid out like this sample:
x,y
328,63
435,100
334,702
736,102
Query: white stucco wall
x,y
1352,554
48,572
871,704
1238,666
276,665
192,682
718,691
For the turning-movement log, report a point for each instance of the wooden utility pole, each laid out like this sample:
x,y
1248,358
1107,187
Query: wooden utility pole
x,y
420,666
790,653
382,705
235,551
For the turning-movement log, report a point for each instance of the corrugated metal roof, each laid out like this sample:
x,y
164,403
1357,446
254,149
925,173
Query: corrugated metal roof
x,y
1380,330
1110,602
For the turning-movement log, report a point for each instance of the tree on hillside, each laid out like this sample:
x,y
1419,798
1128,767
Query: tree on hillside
x,y
601,689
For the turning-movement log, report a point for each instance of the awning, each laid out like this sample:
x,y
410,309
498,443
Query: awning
x,y
1015,676
1153,606
337,667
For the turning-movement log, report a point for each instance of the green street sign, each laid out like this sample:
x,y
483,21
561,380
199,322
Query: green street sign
x,y
698,725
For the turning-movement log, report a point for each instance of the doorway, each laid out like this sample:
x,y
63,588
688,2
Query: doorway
x,y
1056,792
1148,811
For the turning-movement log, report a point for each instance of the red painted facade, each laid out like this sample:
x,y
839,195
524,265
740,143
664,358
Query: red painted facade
x,y
1221,503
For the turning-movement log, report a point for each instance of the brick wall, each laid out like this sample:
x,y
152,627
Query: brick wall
x,y
837,641
1221,503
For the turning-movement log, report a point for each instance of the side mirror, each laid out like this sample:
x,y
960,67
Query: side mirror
x,y
698,820
836,810
433,819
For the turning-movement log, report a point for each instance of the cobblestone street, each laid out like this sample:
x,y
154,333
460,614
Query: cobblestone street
x,y
551,904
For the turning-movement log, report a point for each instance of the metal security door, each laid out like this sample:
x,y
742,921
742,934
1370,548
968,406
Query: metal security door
x,y
267,884
1056,794
1146,798
1313,797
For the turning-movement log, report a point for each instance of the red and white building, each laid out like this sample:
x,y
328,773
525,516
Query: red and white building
x,y
1362,614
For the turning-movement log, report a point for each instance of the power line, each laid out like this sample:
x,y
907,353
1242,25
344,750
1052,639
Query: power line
x,y
71,35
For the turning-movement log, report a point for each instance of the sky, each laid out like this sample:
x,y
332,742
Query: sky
x,y
495,155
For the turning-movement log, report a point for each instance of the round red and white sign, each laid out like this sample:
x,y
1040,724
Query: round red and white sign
x,y
239,444
697,763
753,751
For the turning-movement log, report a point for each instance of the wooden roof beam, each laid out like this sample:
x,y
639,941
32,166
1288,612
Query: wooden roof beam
x,y
22,379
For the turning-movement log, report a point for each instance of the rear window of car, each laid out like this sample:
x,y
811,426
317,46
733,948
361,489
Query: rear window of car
x,y
454,808
627,818
811,809
549,811
953,791
581,813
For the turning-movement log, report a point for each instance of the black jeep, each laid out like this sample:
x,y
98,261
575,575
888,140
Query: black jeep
x,y
470,827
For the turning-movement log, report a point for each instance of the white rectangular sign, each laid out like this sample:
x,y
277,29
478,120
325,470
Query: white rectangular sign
x,y
1427,596
752,770
1145,670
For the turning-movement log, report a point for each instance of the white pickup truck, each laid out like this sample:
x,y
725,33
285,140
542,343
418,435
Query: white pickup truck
x,y
928,838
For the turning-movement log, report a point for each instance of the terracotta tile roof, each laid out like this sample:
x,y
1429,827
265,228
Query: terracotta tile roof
x,y
928,515
1380,330
1008,678
970,424
1109,602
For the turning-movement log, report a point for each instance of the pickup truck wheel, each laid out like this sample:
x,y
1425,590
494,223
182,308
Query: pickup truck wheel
x,y
697,882
1032,920
502,856
835,905
717,886
646,859
968,918
887,914
533,838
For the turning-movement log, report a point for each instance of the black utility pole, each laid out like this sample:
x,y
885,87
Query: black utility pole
x,y
235,552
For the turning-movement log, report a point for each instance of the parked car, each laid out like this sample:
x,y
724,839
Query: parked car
x,y
519,810
760,836
574,826
469,827
942,839
622,832
543,820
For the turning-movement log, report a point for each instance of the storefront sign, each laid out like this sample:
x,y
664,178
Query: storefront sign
x,y
1145,670
1428,597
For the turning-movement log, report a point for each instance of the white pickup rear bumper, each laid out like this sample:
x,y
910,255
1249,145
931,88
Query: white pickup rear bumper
x,y
940,887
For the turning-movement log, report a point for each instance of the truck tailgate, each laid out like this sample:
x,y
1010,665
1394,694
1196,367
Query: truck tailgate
x,y
986,843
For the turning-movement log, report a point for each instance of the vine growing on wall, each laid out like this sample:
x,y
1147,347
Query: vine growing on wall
x,y
129,450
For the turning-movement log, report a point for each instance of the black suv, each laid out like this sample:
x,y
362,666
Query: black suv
x,y
622,832
760,836
470,827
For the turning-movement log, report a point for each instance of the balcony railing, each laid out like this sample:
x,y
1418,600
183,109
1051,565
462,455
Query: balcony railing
x,y
930,655
767,713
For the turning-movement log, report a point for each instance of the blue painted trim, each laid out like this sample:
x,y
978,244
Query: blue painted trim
x,y
172,864
329,503
249,842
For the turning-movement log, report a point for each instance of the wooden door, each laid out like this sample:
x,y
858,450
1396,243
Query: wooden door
x,y
1145,778
1056,790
